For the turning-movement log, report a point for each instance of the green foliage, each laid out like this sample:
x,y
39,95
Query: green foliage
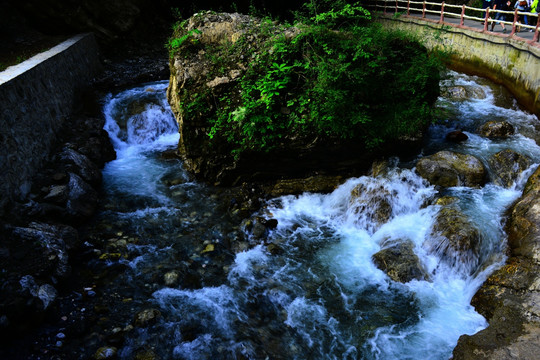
x,y
360,82
347,15
176,43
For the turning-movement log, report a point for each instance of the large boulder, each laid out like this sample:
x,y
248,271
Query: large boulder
x,y
223,73
507,165
524,224
496,129
398,260
510,297
455,239
447,168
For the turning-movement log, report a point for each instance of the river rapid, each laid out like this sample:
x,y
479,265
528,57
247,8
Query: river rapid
x,y
182,276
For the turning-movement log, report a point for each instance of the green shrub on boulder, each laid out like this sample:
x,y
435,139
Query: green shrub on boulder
x,y
252,86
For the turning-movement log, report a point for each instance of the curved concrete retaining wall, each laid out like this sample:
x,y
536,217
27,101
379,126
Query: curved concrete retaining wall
x,y
36,98
509,61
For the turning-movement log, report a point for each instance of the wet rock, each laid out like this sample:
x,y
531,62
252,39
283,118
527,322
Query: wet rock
x,y
146,355
81,165
260,226
274,249
106,352
496,130
51,242
456,136
399,262
258,230
171,278
454,239
456,92
313,184
523,226
372,205
507,166
509,301
447,168
57,194
146,317
46,293
83,199
446,200
379,168
459,92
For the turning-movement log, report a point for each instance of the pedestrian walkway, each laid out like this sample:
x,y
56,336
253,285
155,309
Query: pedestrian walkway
x,y
459,16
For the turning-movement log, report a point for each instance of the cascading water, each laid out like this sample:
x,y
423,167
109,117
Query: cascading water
x,y
309,288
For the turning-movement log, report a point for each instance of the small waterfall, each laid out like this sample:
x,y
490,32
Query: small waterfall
x,y
311,287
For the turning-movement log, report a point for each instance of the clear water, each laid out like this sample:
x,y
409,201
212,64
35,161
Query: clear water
x,y
320,296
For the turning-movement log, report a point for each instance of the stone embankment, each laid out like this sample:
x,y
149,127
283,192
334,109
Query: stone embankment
x,y
510,297
53,147
36,98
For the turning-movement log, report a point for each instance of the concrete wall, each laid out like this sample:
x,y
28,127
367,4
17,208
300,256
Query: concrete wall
x,y
509,61
36,98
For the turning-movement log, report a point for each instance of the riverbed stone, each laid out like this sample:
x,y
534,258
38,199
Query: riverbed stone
x,y
171,278
456,136
447,168
454,238
399,261
83,199
459,92
105,353
146,317
507,166
496,130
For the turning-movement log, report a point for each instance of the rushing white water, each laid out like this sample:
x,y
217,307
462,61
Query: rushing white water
x,y
320,296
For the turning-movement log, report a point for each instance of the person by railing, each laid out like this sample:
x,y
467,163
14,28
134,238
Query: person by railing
x,y
523,6
428,10
503,5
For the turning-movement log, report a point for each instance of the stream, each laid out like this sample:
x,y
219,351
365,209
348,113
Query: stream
x,y
205,286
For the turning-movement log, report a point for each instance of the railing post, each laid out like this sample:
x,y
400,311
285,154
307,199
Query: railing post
x,y
462,20
384,11
408,7
441,20
514,22
424,10
396,6
535,37
486,19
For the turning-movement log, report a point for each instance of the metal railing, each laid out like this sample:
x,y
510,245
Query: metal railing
x,y
442,12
